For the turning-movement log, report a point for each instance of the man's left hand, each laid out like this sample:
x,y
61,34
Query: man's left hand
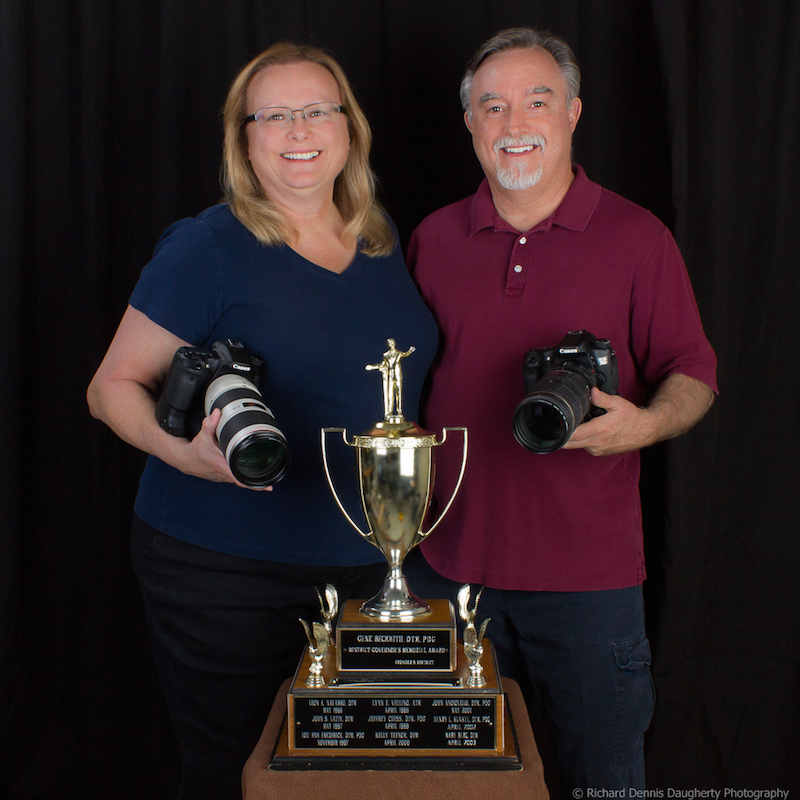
x,y
679,402
622,428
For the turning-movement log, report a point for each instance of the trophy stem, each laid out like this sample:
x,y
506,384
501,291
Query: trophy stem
x,y
395,599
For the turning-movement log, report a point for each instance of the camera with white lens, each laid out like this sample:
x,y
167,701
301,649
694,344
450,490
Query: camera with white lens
x,y
225,377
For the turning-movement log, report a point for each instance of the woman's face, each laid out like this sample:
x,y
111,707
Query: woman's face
x,y
298,163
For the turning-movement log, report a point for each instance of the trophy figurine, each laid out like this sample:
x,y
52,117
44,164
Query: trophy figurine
x,y
329,605
473,639
317,647
395,469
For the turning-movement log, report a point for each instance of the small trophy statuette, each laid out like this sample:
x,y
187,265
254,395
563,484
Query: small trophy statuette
x,y
392,379
329,605
473,647
317,647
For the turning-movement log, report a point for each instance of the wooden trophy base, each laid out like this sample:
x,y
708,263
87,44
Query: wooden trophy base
x,y
396,718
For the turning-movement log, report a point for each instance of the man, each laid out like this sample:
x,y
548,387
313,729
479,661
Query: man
x,y
392,378
538,251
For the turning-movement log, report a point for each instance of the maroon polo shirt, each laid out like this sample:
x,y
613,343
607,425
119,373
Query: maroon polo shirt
x,y
563,521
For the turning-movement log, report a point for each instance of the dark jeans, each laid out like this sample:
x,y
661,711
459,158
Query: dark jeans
x,y
225,635
585,658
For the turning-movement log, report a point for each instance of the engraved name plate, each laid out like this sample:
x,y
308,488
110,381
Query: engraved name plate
x,y
396,713
396,721
424,644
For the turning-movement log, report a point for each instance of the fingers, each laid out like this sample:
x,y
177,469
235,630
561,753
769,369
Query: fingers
x,y
211,454
210,423
603,400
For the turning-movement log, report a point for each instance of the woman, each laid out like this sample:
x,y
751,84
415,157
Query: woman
x,y
302,266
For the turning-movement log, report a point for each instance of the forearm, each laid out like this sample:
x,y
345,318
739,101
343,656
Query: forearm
x,y
678,404
123,395
128,408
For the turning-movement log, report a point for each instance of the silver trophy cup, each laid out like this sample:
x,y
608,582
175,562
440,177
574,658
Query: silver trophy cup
x,y
395,471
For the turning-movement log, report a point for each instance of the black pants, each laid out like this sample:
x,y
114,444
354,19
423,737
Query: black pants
x,y
225,635
585,657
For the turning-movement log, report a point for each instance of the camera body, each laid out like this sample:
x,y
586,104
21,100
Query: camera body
x,y
558,382
180,410
225,377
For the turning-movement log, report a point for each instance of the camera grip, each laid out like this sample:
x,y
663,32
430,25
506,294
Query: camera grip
x,y
185,375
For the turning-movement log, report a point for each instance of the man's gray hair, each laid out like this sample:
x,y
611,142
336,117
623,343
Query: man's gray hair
x,y
525,39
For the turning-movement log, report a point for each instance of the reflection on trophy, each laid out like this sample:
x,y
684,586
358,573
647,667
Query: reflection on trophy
x,y
395,469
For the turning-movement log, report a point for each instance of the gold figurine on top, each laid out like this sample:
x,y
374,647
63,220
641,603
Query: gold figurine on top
x,y
392,379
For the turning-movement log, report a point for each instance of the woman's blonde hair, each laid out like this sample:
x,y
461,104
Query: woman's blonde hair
x,y
354,188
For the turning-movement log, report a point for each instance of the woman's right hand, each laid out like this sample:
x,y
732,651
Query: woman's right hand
x,y
204,457
210,462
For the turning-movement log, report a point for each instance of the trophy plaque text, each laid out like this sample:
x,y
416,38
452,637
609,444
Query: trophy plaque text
x,y
406,716
426,644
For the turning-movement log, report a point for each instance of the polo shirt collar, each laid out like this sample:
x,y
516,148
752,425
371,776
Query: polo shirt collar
x,y
574,213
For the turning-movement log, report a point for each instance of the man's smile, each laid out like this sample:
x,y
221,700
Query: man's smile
x,y
520,149
518,145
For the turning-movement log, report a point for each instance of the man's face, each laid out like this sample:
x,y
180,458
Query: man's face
x,y
520,122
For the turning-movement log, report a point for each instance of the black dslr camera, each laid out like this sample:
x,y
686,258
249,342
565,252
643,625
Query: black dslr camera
x,y
225,377
558,384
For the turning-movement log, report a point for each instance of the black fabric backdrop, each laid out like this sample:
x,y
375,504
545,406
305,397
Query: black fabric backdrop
x,y
110,130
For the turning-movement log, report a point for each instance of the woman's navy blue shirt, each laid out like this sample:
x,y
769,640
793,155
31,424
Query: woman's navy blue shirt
x,y
316,330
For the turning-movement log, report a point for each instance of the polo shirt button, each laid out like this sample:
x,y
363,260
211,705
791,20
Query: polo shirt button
x,y
523,240
518,268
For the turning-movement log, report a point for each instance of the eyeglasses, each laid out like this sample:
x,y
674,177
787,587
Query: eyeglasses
x,y
279,117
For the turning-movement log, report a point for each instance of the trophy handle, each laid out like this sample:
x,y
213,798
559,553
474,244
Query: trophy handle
x,y
368,536
458,482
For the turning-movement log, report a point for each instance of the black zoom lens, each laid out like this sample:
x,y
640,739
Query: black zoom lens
x,y
548,416
254,447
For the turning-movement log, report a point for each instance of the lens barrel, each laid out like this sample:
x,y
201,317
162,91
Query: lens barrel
x,y
254,447
549,414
